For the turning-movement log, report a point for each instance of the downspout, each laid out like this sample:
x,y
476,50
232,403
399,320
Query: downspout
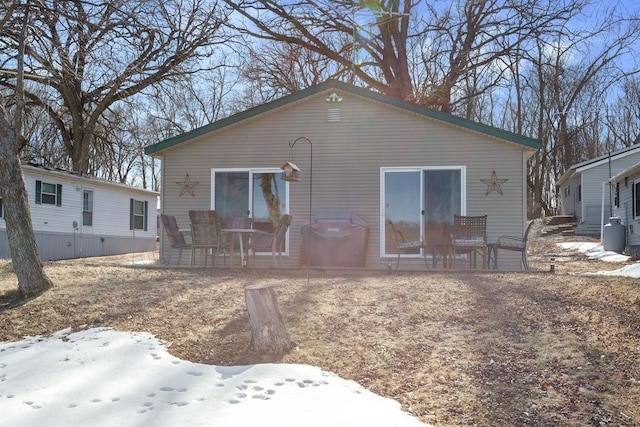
x,y
525,209
610,202
604,183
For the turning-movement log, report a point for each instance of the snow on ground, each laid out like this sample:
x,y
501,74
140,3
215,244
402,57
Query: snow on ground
x,y
596,251
101,377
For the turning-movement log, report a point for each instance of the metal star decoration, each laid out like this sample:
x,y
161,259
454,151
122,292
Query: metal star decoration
x,y
494,184
187,186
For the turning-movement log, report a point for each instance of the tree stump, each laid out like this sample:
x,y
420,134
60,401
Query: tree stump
x,y
268,333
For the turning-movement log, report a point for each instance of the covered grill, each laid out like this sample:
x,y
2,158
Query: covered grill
x,y
336,238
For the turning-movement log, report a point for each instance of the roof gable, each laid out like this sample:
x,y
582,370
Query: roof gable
x,y
588,164
629,172
525,142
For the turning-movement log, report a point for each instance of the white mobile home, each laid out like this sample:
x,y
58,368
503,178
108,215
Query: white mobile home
x,y
76,216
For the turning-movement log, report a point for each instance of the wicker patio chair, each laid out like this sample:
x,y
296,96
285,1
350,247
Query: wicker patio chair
x,y
271,242
469,236
207,236
513,243
177,239
404,246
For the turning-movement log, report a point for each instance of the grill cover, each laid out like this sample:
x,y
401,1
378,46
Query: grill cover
x,y
336,238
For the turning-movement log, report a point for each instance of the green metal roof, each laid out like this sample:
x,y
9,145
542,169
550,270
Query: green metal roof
x,y
527,142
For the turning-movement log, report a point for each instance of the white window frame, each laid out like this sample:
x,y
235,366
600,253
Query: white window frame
x,y
46,197
382,225
252,171
133,204
86,209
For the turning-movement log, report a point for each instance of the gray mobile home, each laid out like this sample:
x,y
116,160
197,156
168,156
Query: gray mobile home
x,y
626,205
581,189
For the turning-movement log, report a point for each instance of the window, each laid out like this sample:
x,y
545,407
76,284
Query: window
x,y
87,207
579,192
48,194
616,199
138,210
636,199
421,201
260,194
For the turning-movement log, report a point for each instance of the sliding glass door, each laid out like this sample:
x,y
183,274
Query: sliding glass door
x,y
421,203
231,194
441,198
260,194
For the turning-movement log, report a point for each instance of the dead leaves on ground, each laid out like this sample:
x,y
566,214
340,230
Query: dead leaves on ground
x,y
454,349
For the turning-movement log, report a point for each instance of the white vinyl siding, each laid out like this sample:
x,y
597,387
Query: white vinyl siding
x,y
628,210
589,195
59,229
110,202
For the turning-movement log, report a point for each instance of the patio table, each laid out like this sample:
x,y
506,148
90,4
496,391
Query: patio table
x,y
241,232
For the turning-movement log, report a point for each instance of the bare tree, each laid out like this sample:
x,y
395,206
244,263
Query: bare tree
x,y
562,82
623,116
194,100
273,70
414,50
100,53
32,279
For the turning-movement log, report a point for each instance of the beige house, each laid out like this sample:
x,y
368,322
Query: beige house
x,y
360,151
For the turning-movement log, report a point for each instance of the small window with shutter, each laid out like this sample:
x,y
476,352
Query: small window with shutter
x,y
138,211
48,194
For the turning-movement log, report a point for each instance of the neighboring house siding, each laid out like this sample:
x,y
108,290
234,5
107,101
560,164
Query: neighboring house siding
x,y
625,209
347,157
592,180
59,230
569,197
587,182
592,193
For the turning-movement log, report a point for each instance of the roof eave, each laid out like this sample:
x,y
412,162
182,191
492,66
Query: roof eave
x,y
528,143
629,171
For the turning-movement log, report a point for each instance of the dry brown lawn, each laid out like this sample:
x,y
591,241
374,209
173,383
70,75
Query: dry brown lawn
x,y
454,348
